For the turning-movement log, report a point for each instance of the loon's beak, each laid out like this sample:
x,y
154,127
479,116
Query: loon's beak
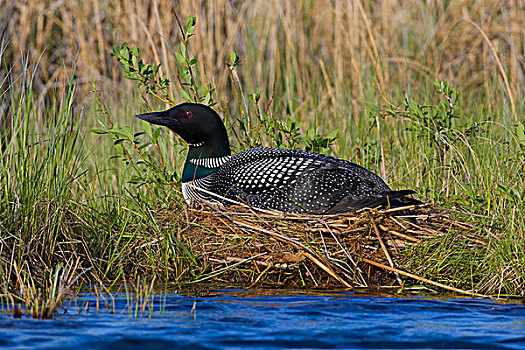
x,y
157,118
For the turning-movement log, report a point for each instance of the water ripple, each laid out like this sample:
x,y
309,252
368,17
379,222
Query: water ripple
x,y
242,320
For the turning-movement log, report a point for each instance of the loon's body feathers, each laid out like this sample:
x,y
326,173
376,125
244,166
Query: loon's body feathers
x,y
293,181
268,178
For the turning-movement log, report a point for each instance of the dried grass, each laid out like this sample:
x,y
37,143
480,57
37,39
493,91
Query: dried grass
x,y
340,47
239,245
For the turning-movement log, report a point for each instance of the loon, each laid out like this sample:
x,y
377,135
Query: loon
x,y
285,180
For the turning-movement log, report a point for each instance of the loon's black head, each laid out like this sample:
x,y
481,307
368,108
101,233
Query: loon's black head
x,y
197,124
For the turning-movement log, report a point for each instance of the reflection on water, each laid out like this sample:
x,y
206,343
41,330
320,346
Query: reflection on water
x,y
240,320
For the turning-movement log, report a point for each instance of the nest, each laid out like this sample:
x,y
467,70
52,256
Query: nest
x,y
367,248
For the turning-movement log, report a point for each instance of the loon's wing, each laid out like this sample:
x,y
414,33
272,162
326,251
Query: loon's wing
x,y
393,199
336,188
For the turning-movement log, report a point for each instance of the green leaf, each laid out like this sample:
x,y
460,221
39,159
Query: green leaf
x,y
190,25
207,98
156,135
99,131
180,58
147,128
183,50
124,131
234,59
134,50
136,180
332,135
185,95
141,147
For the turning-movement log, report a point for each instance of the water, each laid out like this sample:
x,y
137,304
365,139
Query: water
x,y
240,320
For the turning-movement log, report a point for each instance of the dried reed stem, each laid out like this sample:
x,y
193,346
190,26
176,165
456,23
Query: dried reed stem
x,y
437,284
383,247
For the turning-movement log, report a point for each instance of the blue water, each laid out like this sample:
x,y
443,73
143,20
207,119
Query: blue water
x,y
241,320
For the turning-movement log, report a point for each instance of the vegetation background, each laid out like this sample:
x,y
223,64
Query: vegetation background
x,y
367,69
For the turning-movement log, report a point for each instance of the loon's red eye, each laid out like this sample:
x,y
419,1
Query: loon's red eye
x,y
189,114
